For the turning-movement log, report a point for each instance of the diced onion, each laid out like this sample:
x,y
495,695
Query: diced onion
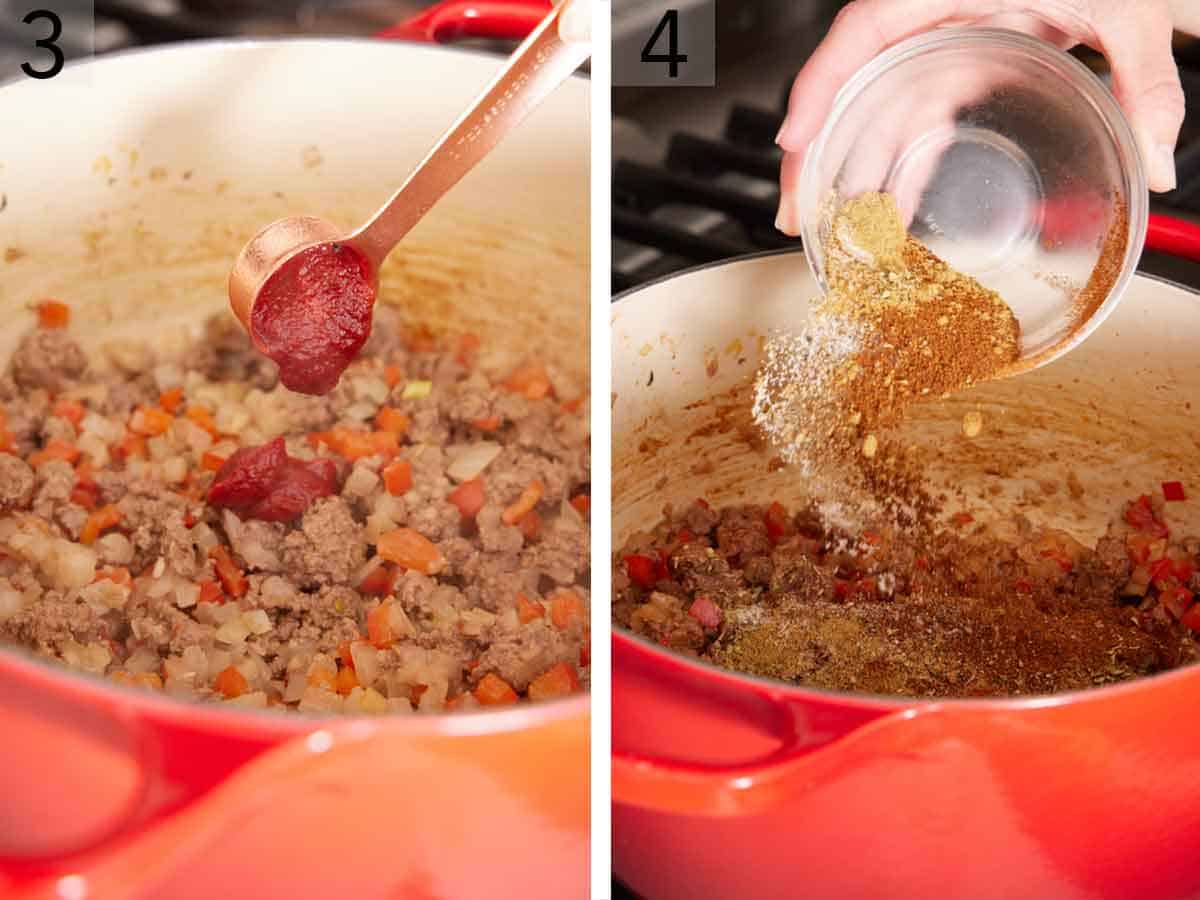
x,y
361,482
257,621
11,602
473,460
416,390
366,662
233,632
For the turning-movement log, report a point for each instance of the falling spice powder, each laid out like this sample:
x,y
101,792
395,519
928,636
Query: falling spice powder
x,y
908,327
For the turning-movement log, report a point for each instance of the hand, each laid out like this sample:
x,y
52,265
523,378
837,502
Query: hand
x,y
1135,36
575,23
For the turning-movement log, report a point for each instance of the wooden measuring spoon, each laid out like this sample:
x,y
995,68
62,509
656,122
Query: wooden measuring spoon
x,y
304,289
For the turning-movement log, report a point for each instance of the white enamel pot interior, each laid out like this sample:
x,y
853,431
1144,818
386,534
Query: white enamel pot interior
x,y
126,188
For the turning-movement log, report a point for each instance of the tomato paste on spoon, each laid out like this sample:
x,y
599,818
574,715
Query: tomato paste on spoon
x,y
313,315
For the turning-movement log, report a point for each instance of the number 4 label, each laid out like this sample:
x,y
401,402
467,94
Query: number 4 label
x,y
670,24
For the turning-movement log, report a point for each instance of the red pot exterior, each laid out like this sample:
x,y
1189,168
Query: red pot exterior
x,y
143,797
728,787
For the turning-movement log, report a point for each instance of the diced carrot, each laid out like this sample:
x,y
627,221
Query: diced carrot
x,y
528,500
54,449
230,682
129,446
380,582
53,314
529,380
1191,618
392,420
211,462
86,495
6,438
346,681
468,497
530,525
397,477
415,692
468,346
379,627
210,592
232,579
150,421
493,690
491,423
582,504
116,574
202,417
558,681
171,399
345,655
392,374
85,473
323,678
70,410
573,406
453,703
353,444
962,518
103,518
529,610
565,607
412,550
420,340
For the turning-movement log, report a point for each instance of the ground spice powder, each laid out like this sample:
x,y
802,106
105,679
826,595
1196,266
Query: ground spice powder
x,y
908,327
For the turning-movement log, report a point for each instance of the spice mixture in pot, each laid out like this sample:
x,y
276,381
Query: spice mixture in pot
x,y
416,539
872,586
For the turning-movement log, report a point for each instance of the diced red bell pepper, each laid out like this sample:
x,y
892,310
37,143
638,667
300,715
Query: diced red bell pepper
x,y
469,497
1191,618
1173,491
643,570
776,520
380,582
1140,514
707,613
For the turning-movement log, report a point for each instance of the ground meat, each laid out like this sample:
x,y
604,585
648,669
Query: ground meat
x,y
47,358
171,593
156,527
954,612
16,482
520,657
328,548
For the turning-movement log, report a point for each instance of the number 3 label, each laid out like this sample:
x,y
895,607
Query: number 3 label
x,y
46,43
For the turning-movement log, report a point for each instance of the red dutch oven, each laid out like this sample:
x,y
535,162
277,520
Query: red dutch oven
x,y
728,786
130,204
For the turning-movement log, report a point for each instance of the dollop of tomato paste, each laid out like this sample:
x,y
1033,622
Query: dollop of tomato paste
x,y
314,314
265,483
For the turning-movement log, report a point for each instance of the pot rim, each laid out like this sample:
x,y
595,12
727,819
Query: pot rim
x,y
881,703
57,679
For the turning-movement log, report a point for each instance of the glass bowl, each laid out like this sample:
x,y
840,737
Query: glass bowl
x,y
1012,162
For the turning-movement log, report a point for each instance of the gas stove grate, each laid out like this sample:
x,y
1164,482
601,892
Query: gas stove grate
x,y
715,198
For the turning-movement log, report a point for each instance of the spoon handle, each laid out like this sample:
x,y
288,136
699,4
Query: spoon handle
x,y
534,70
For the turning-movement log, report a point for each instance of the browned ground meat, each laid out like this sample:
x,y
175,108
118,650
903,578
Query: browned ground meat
x,y
112,562
967,611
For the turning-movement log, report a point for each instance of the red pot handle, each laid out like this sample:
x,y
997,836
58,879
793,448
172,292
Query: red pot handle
x,y
454,19
1177,237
